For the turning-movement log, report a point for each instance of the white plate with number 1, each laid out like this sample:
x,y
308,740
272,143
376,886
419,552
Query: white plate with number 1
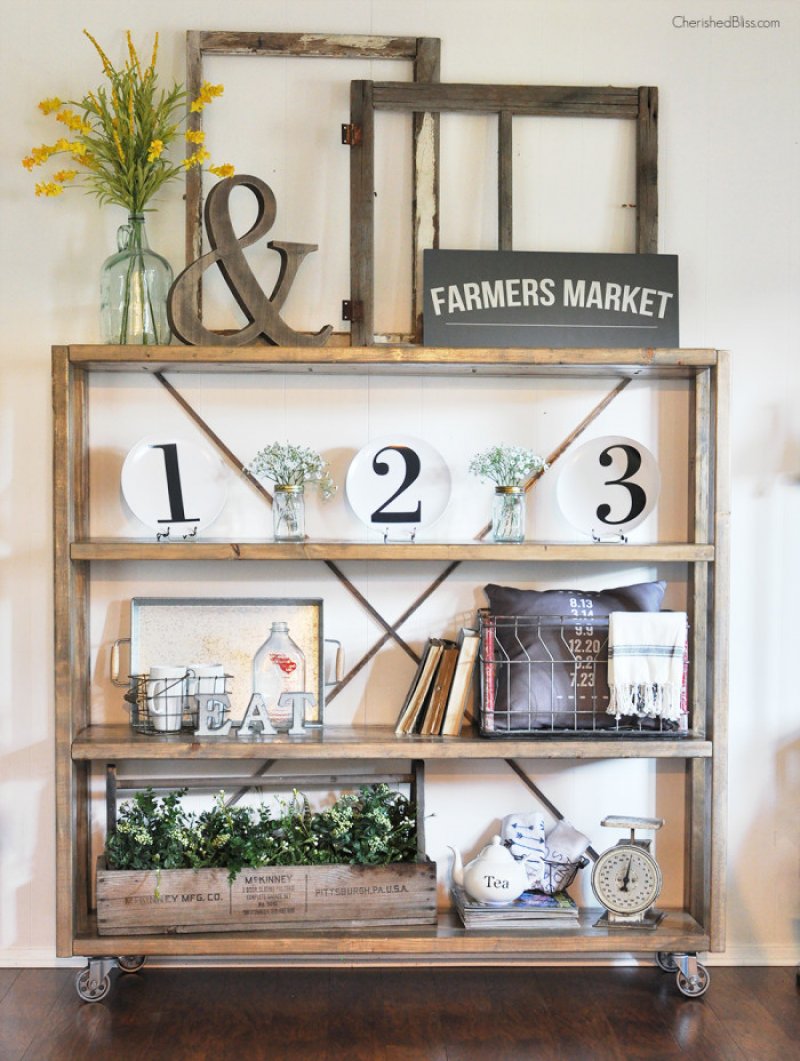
x,y
175,486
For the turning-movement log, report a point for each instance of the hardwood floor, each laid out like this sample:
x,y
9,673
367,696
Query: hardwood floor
x,y
249,1014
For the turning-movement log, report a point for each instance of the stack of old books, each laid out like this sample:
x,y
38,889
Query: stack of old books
x,y
531,909
442,689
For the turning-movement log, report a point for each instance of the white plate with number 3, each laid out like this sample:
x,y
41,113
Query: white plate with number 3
x,y
608,486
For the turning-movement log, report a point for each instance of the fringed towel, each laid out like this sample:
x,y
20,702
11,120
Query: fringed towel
x,y
646,663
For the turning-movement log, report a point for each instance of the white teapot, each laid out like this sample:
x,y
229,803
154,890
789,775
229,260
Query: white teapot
x,y
494,876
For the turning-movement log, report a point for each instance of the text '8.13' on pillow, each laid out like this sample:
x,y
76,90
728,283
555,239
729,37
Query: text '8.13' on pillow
x,y
546,655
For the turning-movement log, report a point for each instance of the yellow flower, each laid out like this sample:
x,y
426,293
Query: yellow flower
x,y
38,156
120,152
132,53
108,69
77,149
62,144
152,67
65,175
73,121
225,170
195,136
156,147
49,188
208,92
47,106
197,159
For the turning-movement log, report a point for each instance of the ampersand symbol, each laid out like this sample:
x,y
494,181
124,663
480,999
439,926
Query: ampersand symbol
x,y
260,310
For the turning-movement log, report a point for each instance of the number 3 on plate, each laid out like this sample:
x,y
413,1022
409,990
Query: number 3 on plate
x,y
608,486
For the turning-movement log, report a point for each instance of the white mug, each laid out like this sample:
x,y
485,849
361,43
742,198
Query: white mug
x,y
166,697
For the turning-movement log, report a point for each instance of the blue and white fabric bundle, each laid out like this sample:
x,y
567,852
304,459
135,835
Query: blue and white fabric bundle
x,y
550,856
646,664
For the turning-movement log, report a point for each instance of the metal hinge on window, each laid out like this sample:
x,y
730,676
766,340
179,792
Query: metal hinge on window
x,y
351,135
352,311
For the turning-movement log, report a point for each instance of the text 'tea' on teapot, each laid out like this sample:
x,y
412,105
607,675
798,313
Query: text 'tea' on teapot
x,y
494,876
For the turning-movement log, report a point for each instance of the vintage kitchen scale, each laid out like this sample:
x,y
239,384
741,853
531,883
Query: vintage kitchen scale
x,y
626,878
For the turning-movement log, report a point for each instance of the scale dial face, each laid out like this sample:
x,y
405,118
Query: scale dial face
x,y
626,879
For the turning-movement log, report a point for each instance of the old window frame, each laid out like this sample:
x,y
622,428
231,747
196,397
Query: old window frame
x,y
426,102
423,52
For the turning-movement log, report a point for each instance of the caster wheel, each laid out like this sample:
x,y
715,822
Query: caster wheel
x,y
666,961
130,963
91,989
696,985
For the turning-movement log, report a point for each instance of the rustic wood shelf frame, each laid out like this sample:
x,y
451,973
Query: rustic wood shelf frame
x,y
80,743
423,52
426,102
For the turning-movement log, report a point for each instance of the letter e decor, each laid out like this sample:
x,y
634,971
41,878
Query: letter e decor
x,y
261,311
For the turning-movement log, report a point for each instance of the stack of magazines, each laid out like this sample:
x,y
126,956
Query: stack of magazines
x,y
531,908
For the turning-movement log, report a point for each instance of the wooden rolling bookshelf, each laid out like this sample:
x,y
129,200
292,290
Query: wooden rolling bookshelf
x,y
82,744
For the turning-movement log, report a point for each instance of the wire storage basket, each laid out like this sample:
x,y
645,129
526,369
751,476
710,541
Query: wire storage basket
x,y
168,705
557,876
547,675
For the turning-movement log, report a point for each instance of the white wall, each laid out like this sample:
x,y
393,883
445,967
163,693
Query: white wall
x,y
729,175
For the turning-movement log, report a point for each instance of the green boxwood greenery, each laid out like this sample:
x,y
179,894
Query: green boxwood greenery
x,y
373,826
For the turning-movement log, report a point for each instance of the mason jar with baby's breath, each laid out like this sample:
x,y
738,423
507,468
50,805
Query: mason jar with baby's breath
x,y
291,468
511,469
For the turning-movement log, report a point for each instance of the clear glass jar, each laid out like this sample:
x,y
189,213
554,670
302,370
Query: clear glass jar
x,y
508,514
279,666
134,285
288,513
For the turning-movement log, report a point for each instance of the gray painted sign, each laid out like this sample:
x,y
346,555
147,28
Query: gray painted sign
x,y
546,299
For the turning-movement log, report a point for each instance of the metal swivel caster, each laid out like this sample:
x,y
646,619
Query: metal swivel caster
x,y
692,977
130,963
94,982
694,984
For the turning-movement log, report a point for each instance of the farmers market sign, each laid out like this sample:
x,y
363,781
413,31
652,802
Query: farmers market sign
x,y
541,299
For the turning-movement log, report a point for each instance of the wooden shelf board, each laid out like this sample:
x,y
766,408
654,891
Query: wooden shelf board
x,y
116,549
394,359
446,943
107,743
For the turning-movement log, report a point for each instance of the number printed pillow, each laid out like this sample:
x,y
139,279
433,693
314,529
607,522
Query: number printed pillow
x,y
549,674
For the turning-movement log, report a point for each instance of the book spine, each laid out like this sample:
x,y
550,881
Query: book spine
x,y
487,676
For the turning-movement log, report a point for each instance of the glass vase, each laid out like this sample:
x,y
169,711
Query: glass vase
x,y
508,514
279,666
289,514
134,285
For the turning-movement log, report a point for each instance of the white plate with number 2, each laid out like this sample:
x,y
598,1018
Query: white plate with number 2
x,y
398,481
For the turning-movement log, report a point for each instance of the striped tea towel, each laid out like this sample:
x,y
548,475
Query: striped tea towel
x,y
645,663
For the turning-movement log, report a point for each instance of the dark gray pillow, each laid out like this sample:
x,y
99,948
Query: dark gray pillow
x,y
551,670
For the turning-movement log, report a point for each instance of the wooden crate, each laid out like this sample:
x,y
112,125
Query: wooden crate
x,y
140,902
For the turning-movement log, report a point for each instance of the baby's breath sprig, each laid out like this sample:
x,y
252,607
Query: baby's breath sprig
x,y
289,465
121,134
507,465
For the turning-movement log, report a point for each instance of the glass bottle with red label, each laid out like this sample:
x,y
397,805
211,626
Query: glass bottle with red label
x,y
279,666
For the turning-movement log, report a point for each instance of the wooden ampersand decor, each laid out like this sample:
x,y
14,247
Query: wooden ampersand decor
x,y
261,311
